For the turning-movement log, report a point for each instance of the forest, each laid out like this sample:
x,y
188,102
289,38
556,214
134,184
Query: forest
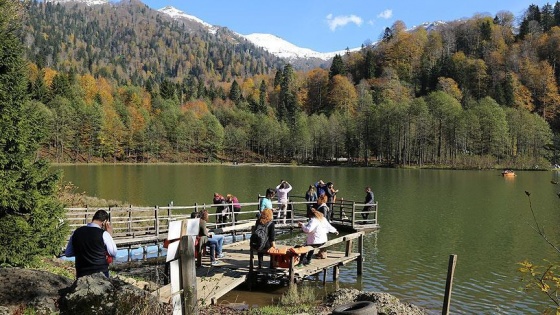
x,y
124,83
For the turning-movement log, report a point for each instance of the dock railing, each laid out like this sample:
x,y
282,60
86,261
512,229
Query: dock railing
x,y
136,226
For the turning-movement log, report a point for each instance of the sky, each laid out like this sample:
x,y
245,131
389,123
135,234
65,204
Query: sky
x,y
334,25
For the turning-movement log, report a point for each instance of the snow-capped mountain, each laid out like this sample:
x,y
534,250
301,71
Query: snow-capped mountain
x,y
284,49
271,43
178,14
87,2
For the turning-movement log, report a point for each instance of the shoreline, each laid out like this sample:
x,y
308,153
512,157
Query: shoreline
x,y
278,164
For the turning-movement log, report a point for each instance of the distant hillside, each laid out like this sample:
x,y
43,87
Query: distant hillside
x,y
132,43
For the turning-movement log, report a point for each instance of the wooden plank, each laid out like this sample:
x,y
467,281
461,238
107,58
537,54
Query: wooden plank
x,y
237,227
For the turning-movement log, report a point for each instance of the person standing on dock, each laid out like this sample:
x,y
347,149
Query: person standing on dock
x,y
316,229
93,246
323,208
369,204
330,192
320,186
221,210
282,191
266,201
234,205
311,196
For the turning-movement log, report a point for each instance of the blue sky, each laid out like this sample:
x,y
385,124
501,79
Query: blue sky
x,y
333,25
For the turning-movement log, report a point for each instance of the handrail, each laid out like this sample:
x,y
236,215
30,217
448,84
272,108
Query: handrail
x,y
146,221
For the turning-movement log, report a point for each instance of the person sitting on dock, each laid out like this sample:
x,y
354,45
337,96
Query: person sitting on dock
x,y
262,238
316,229
369,204
266,201
214,241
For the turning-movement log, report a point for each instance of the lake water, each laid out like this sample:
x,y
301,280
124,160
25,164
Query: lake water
x,y
425,216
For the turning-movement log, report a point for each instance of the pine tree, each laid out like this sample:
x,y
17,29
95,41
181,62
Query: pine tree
x,y
235,92
31,217
337,66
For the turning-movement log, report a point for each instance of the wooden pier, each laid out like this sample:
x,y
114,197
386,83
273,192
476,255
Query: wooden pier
x,y
236,268
135,227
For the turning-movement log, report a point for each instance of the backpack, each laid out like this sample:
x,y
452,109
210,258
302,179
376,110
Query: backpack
x,y
259,237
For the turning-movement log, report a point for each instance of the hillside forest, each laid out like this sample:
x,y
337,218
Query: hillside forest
x,y
124,83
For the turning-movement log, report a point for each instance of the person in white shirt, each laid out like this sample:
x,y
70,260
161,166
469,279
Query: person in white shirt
x,y
92,245
316,229
282,191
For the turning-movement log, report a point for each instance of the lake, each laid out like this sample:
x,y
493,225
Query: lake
x,y
425,216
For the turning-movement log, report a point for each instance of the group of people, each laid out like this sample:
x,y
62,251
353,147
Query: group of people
x,y
316,228
226,206
281,192
322,197
94,247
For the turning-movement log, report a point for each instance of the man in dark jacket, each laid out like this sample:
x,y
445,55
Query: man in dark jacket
x,y
92,244
369,204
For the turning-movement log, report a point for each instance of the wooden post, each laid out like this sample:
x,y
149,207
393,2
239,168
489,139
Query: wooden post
x,y
335,272
251,268
449,284
187,270
348,248
156,223
130,219
324,276
85,217
360,263
353,213
292,270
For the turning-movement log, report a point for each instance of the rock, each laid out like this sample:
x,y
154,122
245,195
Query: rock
x,y
97,294
386,303
22,287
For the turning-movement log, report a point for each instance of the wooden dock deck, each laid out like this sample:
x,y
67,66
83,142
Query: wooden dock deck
x,y
235,268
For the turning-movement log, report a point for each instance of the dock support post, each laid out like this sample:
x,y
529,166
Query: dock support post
x,y
348,248
449,284
292,270
335,272
324,276
187,268
360,263
251,269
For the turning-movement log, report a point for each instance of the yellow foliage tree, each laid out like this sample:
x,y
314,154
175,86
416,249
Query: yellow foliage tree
x,y
342,95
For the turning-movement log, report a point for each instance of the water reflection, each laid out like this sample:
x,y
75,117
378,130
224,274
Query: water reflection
x,y
425,216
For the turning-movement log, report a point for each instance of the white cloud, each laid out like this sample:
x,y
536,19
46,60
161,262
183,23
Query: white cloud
x,y
387,14
343,20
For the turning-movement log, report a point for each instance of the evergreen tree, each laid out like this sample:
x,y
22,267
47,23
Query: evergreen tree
x,y
167,90
337,66
31,217
235,92
262,98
